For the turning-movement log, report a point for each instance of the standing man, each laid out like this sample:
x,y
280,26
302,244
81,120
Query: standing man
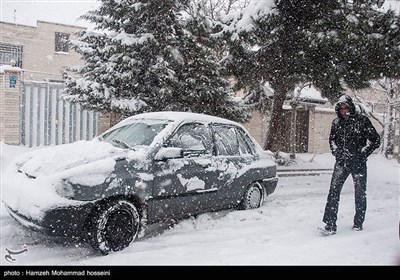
x,y
352,139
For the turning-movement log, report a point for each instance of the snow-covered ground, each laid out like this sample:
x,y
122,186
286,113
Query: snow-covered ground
x,y
281,232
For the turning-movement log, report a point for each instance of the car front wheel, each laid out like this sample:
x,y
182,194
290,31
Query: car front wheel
x,y
253,197
113,226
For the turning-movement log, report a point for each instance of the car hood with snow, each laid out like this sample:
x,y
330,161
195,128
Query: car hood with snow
x,y
59,159
44,178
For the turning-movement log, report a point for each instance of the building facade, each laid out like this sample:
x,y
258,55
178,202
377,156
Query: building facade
x,y
42,50
33,60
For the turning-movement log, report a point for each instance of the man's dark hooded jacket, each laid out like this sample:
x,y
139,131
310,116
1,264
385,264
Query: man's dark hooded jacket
x,y
354,138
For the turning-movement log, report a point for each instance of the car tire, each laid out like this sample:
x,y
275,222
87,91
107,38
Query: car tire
x,y
113,226
252,197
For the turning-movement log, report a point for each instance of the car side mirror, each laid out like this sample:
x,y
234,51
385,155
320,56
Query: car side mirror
x,y
169,153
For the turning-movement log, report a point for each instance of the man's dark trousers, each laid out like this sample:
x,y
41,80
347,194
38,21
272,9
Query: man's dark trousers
x,y
341,171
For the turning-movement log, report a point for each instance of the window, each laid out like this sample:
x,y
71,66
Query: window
x,y
226,141
246,146
61,42
194,139
10,52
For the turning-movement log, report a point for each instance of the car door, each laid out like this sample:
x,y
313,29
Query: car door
x,y
233,157
185,185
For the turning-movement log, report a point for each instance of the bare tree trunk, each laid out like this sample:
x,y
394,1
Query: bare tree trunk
x,y
275,122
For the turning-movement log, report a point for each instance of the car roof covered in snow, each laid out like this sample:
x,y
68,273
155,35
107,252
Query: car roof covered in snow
x,y
180,116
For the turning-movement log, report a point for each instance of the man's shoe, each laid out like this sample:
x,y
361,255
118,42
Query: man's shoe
x,y
357,228
328,230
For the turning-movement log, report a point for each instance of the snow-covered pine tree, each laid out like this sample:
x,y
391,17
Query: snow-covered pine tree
x,y
202,77
150,55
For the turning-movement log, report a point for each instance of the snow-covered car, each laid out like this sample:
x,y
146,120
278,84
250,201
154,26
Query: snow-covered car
x,y
147,168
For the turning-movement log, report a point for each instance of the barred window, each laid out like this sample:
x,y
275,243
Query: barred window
x,y
61,42
10,52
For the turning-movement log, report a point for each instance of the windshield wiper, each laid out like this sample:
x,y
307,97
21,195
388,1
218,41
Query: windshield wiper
x,y
123,144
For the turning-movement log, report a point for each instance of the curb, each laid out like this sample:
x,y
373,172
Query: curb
x,y
303,172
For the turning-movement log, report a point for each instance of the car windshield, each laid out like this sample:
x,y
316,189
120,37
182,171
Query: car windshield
x,y
134,134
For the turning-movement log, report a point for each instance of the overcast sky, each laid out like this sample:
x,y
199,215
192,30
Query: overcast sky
x,y
59,11
66,11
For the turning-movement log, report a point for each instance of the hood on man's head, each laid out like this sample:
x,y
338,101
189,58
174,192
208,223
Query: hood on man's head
x,y
347,100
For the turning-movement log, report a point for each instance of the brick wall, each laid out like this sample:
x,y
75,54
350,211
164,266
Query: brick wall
x,y
9,107
103,122
39,48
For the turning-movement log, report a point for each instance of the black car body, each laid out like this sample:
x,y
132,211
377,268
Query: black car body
x,y
147,168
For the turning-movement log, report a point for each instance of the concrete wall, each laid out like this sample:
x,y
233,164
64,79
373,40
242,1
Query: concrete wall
x,y
319,130
257,126
320,127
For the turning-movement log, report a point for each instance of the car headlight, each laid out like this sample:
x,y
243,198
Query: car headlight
x,y
65,189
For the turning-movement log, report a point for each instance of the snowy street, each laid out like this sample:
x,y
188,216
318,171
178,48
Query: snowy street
x,y
116,115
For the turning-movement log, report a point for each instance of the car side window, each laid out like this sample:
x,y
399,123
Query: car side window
x,y
246,146
226,141
193,138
